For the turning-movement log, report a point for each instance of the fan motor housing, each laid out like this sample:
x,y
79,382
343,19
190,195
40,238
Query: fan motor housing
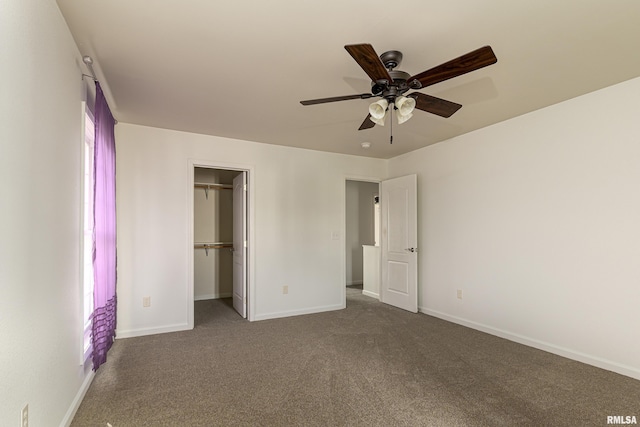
x,y
390,90
399,76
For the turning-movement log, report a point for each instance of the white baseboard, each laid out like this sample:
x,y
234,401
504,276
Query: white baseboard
x,y
152,331
75,404
213,296
371,294
279,314
609,365
355,283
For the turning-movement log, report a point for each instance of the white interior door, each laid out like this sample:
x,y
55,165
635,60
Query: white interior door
x,y
399,221
240,244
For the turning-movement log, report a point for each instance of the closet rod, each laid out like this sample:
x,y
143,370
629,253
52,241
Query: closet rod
x,y
216,186
208,187
217,245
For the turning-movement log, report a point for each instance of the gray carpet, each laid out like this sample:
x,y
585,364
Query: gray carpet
x,y
368,365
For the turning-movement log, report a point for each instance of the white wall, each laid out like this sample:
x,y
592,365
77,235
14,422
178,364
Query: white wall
x,y
299,203
537,220
40,170
359,226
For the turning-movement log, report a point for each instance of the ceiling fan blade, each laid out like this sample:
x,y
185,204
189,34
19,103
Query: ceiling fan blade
x,y
369,61
336,98
472,61
367,124
433,105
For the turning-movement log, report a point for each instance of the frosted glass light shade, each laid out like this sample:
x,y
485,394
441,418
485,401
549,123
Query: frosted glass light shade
x,y
377,111
405,107
403,118
378,108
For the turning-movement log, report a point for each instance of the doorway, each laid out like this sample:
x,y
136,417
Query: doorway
x,y
220,241
362,241
390,266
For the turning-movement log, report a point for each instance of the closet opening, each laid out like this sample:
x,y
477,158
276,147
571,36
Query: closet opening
x,y
220,244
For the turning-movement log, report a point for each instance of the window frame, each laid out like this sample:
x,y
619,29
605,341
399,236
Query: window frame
x,y
86,229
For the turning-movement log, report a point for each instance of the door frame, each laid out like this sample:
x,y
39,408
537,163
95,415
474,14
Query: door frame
x,y
346,178
250,290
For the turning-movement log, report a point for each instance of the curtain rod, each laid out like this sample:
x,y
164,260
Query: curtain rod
x,y
89,62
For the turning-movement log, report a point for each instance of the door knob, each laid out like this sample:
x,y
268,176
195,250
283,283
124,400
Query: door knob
x,y
412,249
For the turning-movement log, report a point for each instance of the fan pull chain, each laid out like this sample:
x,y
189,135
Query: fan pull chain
x,y
393,107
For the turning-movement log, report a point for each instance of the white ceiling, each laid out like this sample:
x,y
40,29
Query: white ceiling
x,y
238,69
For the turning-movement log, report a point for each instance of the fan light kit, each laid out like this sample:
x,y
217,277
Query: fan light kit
x,y
391,85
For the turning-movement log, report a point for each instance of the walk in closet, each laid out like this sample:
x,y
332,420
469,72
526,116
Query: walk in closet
x,y
213,233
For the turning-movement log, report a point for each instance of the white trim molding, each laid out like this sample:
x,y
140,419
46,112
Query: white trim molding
x,y
540,345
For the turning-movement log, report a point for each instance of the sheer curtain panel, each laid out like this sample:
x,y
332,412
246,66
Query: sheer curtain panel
x,y
103,330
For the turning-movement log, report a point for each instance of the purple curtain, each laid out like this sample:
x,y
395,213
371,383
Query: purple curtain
x,y
103,329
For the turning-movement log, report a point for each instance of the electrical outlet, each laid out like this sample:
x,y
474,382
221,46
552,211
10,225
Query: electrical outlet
x,y
459,293
146,301
285,289
25,416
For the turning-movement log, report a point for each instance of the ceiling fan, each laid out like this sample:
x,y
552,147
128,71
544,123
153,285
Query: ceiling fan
x,y
390,84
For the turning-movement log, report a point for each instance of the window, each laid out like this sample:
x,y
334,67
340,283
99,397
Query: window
x,y
87,226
